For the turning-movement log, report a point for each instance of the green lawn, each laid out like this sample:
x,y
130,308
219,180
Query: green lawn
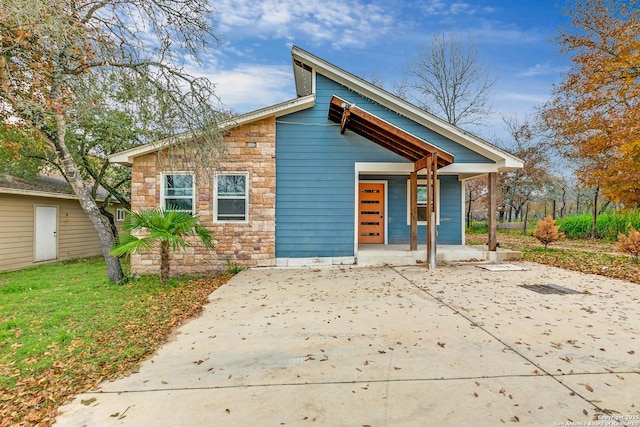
x,y
64,328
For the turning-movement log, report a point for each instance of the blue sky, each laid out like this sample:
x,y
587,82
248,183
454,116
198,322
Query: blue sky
x,y
252,68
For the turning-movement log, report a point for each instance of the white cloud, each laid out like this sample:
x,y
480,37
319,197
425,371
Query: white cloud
x,y
249,87
534,99
446,8
541,70
340,23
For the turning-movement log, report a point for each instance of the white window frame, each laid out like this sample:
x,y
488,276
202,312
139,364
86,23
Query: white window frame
x,y
120,214
423,182
246,198
193,191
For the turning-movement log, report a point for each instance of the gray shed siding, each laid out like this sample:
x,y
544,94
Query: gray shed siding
x,y
315,177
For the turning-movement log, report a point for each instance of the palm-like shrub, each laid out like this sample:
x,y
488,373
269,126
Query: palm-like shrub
x,y
166,229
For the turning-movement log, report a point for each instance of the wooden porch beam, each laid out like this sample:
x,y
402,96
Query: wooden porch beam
x,y
346,115
414,211
423,163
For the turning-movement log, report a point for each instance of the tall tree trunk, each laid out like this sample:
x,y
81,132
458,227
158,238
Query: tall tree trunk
x,y
526,217
89,205
594,213
469,209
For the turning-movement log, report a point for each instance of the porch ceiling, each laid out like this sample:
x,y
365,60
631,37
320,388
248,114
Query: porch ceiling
x,y
383,133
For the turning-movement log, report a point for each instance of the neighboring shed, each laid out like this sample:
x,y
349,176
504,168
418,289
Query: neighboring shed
x,y
42,221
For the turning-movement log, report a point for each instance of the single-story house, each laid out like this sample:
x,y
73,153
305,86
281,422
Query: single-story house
x,y
41,221
344,166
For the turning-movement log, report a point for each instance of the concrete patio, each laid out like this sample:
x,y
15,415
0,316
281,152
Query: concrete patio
x,y
398,255
391,346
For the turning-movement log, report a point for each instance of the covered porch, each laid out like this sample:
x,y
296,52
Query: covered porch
x,y
399,254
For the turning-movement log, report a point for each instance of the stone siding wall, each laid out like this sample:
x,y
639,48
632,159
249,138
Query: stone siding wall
x,y
244,244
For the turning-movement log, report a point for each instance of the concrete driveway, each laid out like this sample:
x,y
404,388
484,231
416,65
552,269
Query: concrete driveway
x,y
390,346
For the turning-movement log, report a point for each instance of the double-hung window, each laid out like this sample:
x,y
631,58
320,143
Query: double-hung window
x,y
178,192
231,197
422,201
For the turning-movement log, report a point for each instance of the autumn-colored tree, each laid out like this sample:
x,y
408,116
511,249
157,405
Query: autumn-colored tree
x,y
630,244
547,231
66,64
595,112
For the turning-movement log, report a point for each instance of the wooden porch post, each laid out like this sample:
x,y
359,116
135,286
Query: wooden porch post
x,y
492,209
432,210
413,194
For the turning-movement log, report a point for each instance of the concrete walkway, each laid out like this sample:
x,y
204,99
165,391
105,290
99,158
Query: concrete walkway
x,y
390,346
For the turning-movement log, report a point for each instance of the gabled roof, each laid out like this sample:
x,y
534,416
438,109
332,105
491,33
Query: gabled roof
x,y
305,65
278,110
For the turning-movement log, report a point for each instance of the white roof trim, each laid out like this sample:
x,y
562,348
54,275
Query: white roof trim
x,y
278,110
504,160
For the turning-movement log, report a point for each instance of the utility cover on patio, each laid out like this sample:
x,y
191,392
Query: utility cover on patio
x,y
550,289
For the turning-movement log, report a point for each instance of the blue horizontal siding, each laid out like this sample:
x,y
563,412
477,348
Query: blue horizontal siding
x,y
315,178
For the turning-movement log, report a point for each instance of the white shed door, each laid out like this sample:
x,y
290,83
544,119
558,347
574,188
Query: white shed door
x,y
46,233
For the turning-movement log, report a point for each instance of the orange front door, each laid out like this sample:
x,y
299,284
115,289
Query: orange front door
x,y
371,213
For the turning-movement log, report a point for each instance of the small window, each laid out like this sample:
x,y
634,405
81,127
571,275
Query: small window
x,y
231,197
120,214
178,192
422,202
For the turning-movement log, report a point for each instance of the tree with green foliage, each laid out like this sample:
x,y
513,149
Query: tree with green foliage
x,y
81,79
166,229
